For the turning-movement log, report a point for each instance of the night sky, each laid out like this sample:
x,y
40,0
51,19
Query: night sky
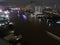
x,y
25,2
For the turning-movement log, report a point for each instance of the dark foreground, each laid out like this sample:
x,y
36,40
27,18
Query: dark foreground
x,y
34,33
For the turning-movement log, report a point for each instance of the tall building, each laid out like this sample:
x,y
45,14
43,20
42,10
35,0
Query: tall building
x,y
39,8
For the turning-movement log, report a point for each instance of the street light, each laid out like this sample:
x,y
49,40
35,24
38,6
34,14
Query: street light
x,y
0,10
6,12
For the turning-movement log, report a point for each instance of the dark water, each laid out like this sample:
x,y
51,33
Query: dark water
x,y
34,32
